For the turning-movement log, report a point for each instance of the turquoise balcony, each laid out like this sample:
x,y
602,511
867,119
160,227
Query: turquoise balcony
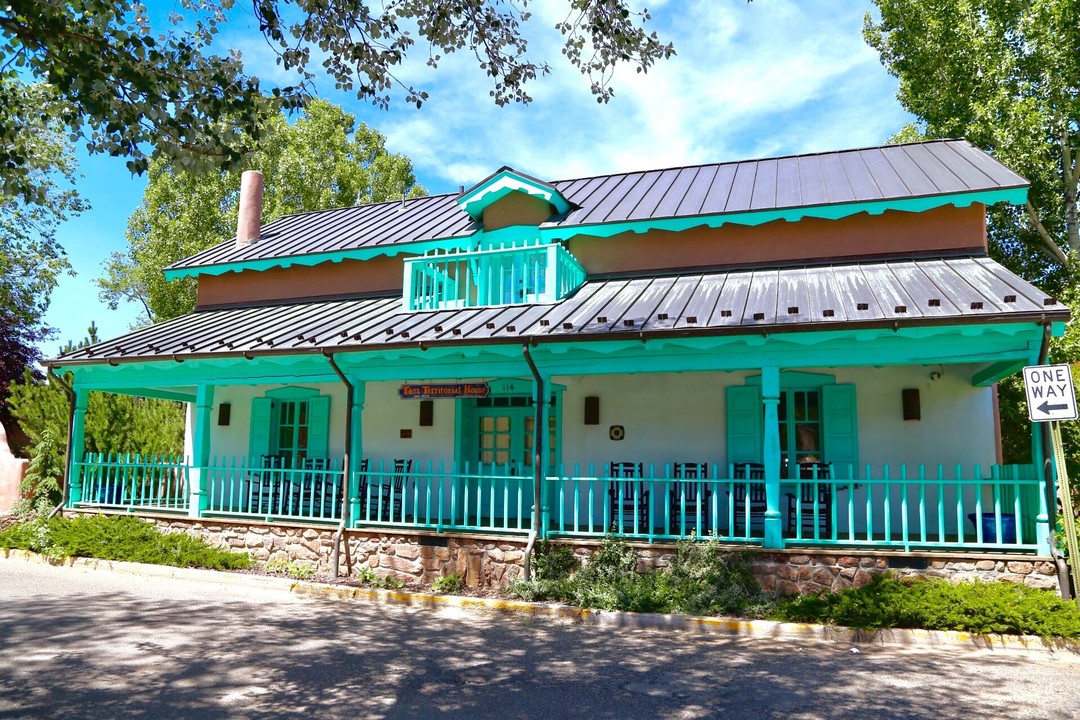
x,y
510,276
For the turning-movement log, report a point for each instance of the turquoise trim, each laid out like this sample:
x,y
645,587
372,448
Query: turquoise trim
x,y
366,253
502,184
796,379
996,371
1014,196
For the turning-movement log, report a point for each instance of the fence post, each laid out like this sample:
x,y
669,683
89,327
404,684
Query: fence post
x,y
356,450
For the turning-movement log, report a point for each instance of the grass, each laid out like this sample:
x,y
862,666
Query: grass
x,y
118,537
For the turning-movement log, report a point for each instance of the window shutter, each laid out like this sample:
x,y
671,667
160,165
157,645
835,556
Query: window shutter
x,y
745,423
319,427
259,444
841,441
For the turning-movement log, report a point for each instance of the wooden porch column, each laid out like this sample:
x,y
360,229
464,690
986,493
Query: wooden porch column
x,y
200,448
78,445
770,398
356,449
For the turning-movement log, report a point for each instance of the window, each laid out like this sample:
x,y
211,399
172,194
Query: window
x,y
293,422
800,429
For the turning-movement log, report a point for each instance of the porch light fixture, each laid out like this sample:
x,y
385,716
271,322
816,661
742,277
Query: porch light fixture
x,y
427,413
912,409
592,410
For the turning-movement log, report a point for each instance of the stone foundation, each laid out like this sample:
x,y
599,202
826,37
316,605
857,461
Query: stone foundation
x,y
493,562
408,557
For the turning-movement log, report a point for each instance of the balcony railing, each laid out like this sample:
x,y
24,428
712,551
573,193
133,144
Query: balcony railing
x,y
894,507
510,276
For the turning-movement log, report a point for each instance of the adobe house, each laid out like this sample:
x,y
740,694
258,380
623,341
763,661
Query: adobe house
x,y
795,354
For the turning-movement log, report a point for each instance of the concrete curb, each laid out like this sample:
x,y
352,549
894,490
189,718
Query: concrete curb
x,y
725,626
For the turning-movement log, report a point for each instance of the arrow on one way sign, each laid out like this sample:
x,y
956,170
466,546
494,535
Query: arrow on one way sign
x,y
1050,393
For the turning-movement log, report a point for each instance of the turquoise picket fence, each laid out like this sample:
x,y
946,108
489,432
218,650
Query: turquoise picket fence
x,y
158,482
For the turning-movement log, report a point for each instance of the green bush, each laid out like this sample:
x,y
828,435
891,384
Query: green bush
x,y
118,537
294,569
939,605
451,583
702,579
367,576
553,562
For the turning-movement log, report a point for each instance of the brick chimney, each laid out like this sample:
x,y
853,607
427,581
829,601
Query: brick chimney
x,y
248,220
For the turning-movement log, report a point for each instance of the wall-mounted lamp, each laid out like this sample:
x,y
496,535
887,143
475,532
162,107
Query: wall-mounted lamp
x,y
592,410
427,413
912,408
224,413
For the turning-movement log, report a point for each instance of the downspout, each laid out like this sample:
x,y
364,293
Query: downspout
x,y
345,464
1048,474
538,457
67,450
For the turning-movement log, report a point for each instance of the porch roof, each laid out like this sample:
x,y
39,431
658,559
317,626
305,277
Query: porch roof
x,y
830,184
856,295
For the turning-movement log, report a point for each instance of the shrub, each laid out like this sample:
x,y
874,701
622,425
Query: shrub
x,y
451,583
294,569
367,576
118,537
610,581
939,605
553,562
702,579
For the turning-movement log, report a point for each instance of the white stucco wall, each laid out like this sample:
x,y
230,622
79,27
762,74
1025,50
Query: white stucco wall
x,y
668,417
386,415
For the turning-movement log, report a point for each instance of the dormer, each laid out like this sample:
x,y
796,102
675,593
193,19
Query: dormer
x,y
509,197
508,262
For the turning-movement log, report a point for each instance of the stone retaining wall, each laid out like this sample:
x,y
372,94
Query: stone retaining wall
x,y
494,562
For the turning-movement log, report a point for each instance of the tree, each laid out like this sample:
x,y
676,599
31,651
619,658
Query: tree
x,y
127,88
30,257
114,423
1003,74
323,160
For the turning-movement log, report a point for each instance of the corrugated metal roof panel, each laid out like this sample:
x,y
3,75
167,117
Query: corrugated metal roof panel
x,y
884,173
957,290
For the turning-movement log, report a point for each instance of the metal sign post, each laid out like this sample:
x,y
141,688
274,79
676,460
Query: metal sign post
x,y
1052,398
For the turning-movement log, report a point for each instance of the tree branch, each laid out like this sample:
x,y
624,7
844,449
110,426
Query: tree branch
x,y
1049,246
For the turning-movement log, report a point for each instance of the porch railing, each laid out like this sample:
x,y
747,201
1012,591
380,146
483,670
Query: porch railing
x,y
898,507
158,482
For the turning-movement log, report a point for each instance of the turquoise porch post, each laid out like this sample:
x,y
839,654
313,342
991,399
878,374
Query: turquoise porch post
x,y
770,398
1047,489
78,446
200,477
356,450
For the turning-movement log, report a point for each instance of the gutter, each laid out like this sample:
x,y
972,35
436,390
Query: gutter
x,y
67,450
1048,475
539,431
346,465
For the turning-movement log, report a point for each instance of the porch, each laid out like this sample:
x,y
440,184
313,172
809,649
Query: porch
x,y
1000,508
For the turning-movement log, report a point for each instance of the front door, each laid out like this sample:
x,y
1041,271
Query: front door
x,y
499,449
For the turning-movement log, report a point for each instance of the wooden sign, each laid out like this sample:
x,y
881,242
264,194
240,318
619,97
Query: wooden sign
x,y
453,391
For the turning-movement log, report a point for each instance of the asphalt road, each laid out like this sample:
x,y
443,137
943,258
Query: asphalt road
x,y
81,643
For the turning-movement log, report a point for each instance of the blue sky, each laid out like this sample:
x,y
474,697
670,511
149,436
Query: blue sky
x,y
754,79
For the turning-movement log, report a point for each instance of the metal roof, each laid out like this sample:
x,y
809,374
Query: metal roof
x,y
891,172
914,292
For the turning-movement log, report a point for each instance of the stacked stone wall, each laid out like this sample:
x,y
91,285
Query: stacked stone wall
x,y
495,562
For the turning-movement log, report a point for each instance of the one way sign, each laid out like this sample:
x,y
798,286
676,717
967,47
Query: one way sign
x,y
1050,394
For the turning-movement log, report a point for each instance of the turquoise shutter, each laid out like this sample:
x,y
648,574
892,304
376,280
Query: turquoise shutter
x,y
319,427
841,441
745,423
259,443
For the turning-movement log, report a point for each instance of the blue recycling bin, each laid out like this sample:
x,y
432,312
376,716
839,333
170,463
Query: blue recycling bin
x,y
989,528
110,494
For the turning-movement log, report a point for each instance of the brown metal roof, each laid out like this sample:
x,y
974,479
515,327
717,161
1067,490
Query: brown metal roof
x,y
892,172
914,292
